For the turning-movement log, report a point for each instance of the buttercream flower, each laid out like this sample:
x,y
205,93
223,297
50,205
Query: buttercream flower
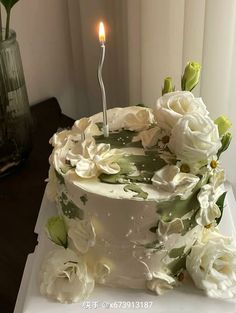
x,y
194,138
139,119
160,282
64,277
165,229
101,272
212,265
81,233
171,180
207,198
174,105
90,159
86,128
148,137
132,118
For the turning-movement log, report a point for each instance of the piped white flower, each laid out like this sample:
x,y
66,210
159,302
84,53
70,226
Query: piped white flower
x,y
212,265
207,197
86,128
101,272
171,180
160,282
134,118
149,137
81,233
65,277
165,229
90,159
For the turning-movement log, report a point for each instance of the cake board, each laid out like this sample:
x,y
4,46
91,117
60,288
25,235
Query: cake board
x,y
185,298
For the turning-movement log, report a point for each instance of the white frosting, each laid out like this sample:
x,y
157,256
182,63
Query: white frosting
x,y
170,179
64,277
212,265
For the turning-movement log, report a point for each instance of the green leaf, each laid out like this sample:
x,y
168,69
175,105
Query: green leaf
x,y
169,210
8,4
223,124
141,105
153,229
56,230
155,245
220,202
69,209
177,265
176,252
225,142
84,199
122,139
137,189
144,165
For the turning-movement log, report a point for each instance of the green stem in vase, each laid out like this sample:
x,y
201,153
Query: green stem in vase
x,y
8,4
7,24
0,23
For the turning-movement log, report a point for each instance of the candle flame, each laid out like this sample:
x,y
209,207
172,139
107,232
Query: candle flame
x,y
102,35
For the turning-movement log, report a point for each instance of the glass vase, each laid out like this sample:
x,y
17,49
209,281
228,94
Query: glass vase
x,y
15,117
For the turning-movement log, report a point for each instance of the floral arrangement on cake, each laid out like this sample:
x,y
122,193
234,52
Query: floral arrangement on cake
x,y
182,147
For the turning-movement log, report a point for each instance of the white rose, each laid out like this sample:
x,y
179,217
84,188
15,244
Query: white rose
x,y
81,233
90,159
194,138
64,277
207,197
174,105
212,265
160,282
170,179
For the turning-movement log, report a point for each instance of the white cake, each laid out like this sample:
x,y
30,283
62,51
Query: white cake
x,y
133,207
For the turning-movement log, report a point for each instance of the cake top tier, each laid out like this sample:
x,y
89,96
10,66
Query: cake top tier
x,y
151,154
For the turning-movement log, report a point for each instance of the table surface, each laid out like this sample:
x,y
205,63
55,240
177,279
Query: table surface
x,y
20,198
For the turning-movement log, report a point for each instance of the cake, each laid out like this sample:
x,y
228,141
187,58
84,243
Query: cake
x,y
140,208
